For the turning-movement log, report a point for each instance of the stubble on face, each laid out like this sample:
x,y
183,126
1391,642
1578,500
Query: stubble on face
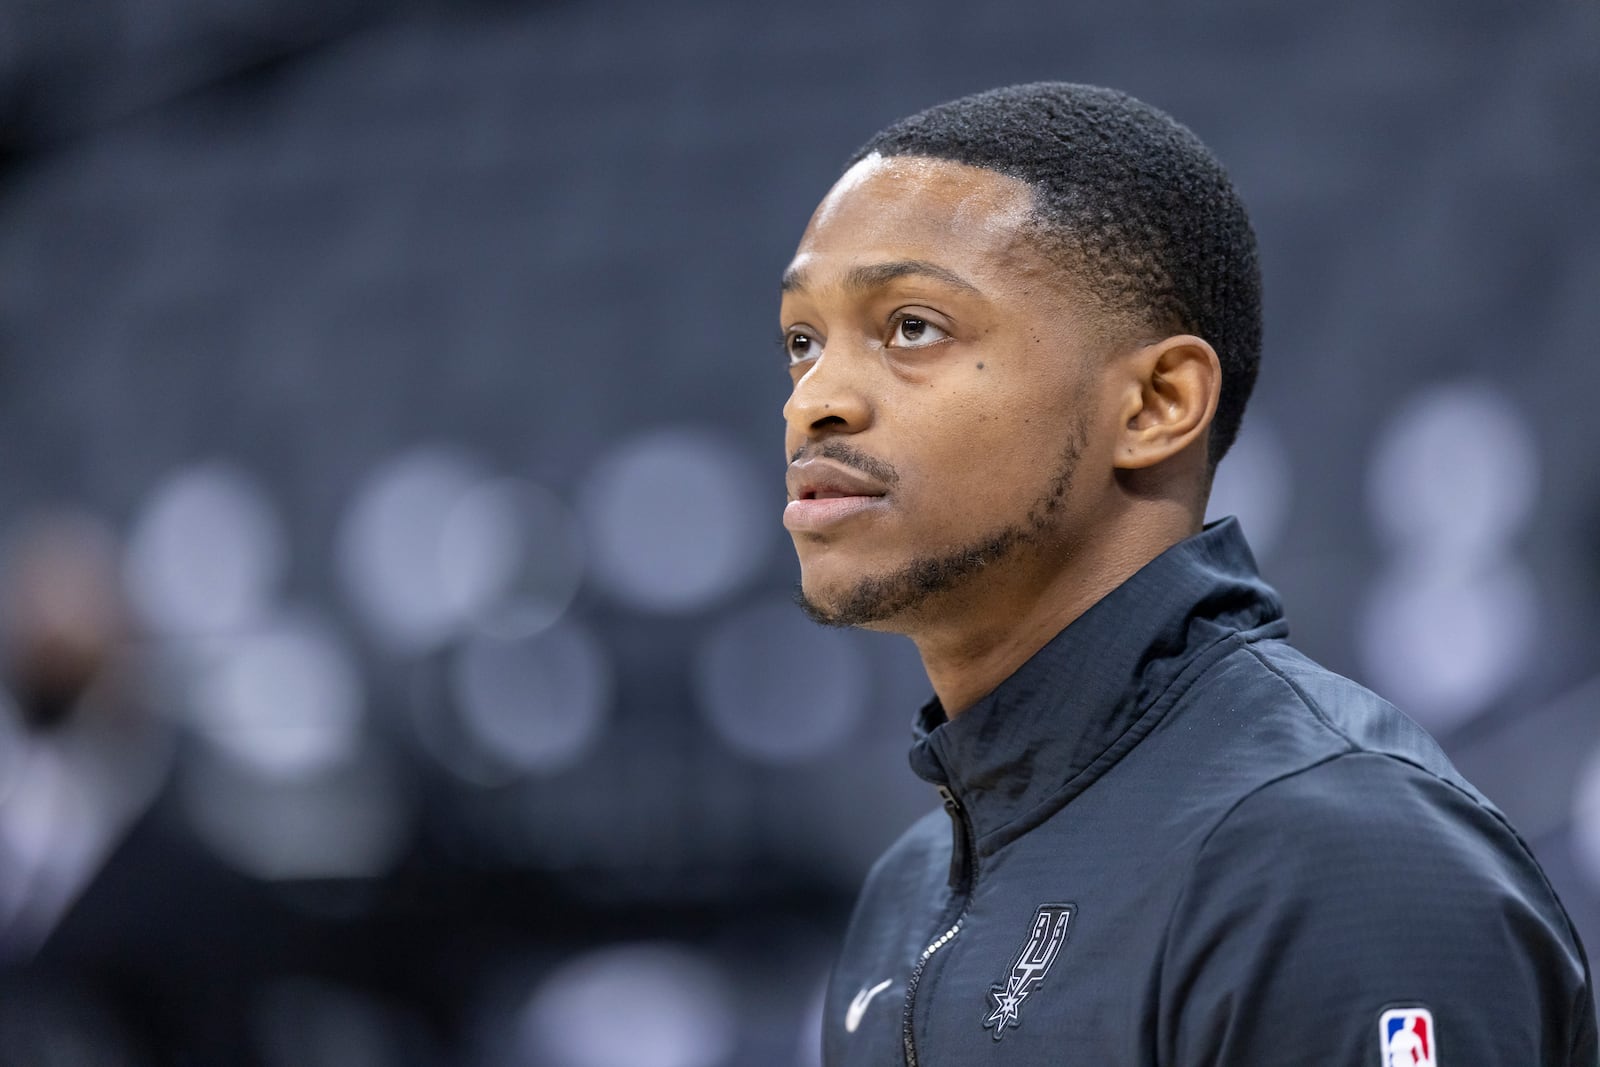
x,y
916,588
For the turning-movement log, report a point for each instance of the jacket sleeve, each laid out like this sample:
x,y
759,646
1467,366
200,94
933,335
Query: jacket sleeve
x,y
1366,913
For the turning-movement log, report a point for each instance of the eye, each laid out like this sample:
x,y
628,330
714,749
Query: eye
x,y
801,346
913,332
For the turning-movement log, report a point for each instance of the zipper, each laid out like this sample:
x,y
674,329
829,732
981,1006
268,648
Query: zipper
x,y
962,874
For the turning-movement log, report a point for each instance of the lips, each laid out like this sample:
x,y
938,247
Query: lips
x,y
813,479
823,493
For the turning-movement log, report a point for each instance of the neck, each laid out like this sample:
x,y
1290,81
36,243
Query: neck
x,y
975,641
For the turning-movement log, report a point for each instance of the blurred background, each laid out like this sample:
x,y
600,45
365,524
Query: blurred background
x,y
395,641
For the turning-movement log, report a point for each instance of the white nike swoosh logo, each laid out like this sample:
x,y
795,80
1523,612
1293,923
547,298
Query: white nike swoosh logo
x,y
858,1006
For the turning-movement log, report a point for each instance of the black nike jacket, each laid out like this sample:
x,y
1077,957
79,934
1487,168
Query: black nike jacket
x,y
1171,840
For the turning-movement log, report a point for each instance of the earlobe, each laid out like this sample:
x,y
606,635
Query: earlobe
x,y
1171,400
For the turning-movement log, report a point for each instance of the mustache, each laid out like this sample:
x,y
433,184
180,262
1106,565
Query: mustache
x,y
836,450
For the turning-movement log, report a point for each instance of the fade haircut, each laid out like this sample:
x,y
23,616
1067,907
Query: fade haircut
x,y
1129,201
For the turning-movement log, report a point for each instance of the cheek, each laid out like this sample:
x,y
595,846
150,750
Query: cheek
x,y
994,452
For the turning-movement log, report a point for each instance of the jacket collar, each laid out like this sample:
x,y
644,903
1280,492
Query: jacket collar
x,y
1090,694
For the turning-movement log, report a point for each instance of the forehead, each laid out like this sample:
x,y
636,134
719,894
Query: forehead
x,y
913,207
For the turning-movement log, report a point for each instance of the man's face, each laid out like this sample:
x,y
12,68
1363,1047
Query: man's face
x,y
947,421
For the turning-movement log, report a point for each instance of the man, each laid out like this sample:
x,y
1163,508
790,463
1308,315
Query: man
x,y
1022,329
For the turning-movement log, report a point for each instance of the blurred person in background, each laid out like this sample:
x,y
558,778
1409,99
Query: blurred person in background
x,y
81,758
1022,329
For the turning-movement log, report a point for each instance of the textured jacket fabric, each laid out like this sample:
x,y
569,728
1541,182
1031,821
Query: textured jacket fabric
x,y
1171,839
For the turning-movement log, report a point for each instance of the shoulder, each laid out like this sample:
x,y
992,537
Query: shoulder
x,y
1303,773
1263,727
1362,718
1366,881
1366,802
1377,831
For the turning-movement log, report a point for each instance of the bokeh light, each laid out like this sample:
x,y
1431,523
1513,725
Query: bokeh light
x,y
534,703
346,822
513,557
777,687
675,519
207,552
1455,474
1255,483
393,546
284,700
643,1005
1443,644
1451,621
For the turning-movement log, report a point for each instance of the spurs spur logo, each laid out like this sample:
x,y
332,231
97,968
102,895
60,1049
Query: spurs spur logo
x,y
1033,963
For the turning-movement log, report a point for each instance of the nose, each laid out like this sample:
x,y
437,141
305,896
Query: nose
x,y
826,400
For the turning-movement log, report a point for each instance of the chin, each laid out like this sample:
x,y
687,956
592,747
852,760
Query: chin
x,y
821,595
902,595
854,599
828,572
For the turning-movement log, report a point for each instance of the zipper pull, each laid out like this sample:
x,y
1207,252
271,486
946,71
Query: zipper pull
x,y
959,866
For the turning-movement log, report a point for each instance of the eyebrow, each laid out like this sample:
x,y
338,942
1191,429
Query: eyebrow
x,y
873,275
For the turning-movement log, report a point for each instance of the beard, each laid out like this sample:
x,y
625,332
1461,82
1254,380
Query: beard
x,y
911,589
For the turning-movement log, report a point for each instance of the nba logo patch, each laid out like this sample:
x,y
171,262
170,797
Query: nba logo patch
x,y
1406,1038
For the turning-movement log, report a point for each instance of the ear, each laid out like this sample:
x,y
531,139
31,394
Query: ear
x,y
1169,400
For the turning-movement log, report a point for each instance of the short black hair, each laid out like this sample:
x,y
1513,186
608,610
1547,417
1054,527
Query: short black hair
x,y
1139,208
